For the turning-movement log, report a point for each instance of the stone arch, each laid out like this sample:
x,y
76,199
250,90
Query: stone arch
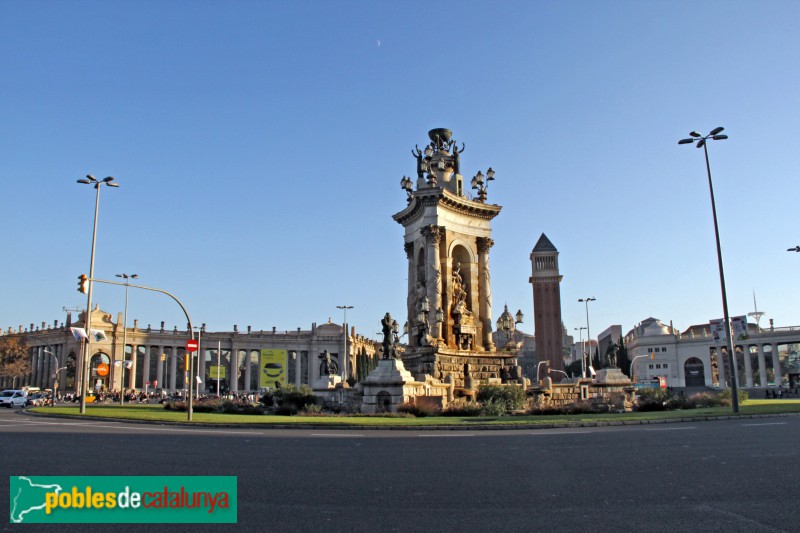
x,y
94,375
383,402
694,372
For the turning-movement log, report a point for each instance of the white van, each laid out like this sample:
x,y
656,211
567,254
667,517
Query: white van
x,y
13,398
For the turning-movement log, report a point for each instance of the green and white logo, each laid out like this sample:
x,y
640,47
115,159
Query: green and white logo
x,y
122,499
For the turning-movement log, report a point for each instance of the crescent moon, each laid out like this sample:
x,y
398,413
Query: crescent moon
x,y
379,43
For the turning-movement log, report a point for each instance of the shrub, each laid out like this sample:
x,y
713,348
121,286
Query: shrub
x,y
418,410
289,398
512,397
311,410
651,399
175,406
462,409
493,407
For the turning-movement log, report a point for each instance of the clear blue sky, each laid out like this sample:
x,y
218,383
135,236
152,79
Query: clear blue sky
x,y
259,147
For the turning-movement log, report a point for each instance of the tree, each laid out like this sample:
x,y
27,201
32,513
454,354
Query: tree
x,y
574,368
14,358
623,361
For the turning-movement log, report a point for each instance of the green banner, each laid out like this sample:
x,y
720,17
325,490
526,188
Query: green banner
x,y
273,368
216,372
123,499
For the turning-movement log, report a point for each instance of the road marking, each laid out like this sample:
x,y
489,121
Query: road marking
x,y
445,435
336,435
765,424
141,427
671,429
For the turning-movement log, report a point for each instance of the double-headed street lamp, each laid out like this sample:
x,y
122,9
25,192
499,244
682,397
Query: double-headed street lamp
x,y
124,337
701,141
345,356
91,180
588,331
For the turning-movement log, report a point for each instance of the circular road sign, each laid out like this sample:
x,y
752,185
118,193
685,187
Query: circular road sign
x,y
192,345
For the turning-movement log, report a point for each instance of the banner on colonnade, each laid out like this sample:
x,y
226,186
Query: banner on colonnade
x,y
273,368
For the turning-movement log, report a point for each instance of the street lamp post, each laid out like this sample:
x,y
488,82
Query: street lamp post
x,y
702,142
633,362
94,182
124,337
583,351
588,331
345,356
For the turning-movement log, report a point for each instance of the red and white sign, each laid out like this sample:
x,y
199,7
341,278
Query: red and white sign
x,y
192,345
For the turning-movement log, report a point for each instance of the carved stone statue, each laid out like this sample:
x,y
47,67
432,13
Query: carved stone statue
x,y
611,356
417,153
327,367
457,159
389,351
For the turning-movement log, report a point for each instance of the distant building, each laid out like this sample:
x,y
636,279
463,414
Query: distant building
x,y
767,357
154,357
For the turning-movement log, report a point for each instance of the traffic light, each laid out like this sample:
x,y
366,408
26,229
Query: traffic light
x,y
163,357
83,283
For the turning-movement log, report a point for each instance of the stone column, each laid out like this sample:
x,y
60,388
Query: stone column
x,y
159,368
433,235
720,366
748,367
298,379
247,369
36,364
776,365
409,248
173,366
485,290
131,377
233,378
762,366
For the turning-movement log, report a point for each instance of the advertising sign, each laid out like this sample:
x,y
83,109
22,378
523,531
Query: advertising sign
x,y
739,327
216,372
718,329
273,368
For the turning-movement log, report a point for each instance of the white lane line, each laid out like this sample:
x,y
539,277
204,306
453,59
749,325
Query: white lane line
x,y
765,424
446,435
336,435
140,427
671,429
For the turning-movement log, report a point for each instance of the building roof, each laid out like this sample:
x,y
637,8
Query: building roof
x,y
544,245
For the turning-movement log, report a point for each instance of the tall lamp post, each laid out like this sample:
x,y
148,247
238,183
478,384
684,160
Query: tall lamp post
x,y
583,351
124,337
345,355
701,141
94,182
588,331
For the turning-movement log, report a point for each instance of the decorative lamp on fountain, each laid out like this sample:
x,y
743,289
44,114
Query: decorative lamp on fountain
x,y
480,184
407,185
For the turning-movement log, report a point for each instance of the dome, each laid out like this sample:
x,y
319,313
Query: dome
x,y
329,328
655,328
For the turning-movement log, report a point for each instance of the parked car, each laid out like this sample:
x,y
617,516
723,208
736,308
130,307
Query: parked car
x,y
36,399
13,398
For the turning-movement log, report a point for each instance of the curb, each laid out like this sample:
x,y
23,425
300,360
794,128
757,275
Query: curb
x,y
471,427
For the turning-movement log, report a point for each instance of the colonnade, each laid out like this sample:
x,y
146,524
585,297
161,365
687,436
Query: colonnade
x,y
745,351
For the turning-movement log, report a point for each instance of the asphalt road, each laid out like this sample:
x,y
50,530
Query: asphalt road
x,y
732,475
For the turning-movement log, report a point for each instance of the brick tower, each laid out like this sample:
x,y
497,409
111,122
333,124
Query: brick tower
x,y
547,303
